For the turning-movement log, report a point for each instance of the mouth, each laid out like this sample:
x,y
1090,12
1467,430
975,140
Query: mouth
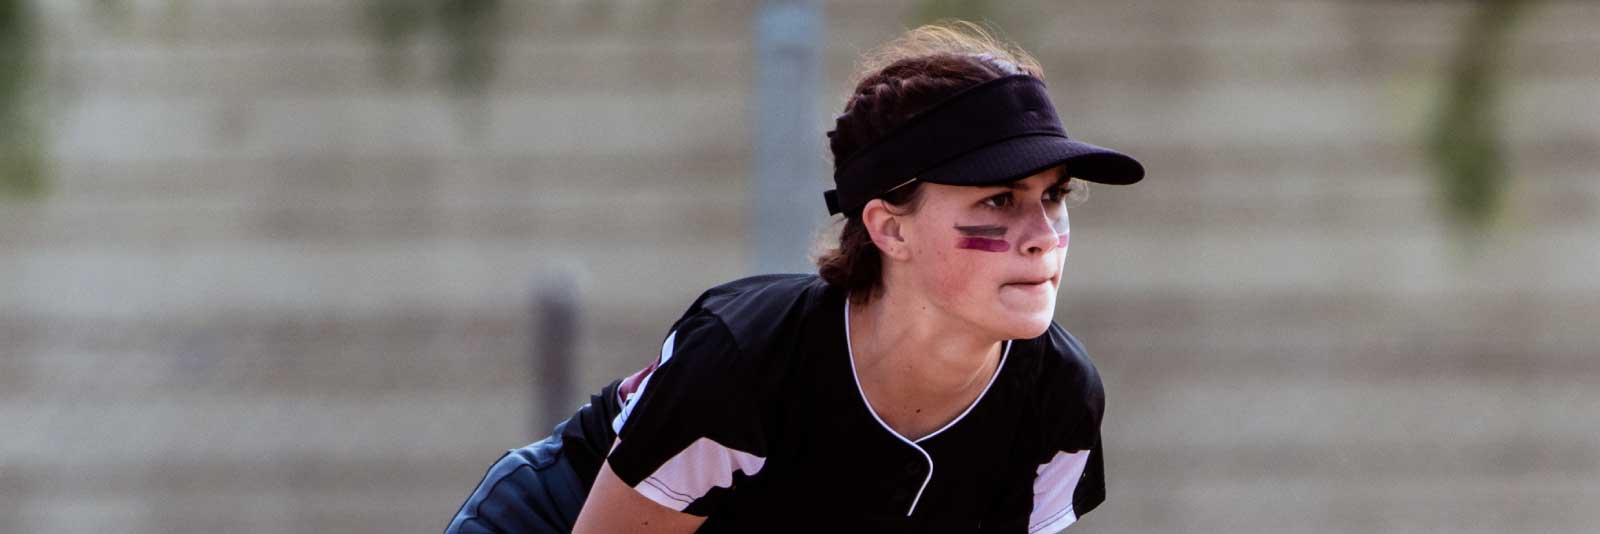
x,y
1052,281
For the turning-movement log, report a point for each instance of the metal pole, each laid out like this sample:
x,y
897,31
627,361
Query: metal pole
x,y
786,196
555,342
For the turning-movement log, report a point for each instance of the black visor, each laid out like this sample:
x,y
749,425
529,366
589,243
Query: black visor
x,y
995,132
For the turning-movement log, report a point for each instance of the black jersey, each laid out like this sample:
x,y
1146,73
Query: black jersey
x,y
753,417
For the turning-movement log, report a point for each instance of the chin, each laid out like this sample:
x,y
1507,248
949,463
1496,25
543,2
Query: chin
x,y
1029,327
1027,321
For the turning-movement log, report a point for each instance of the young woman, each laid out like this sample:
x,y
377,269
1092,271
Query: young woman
x,y
916,384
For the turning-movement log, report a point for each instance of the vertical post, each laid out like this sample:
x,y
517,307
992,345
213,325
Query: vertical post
x,y
786,196
555,317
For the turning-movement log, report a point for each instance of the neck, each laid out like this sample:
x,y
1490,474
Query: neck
x,y
929,354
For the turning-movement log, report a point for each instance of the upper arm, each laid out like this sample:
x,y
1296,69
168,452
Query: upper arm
x,y
697,422
1070,478
612,506
1057,487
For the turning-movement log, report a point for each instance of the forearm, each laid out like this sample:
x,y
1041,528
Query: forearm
x,y
613,506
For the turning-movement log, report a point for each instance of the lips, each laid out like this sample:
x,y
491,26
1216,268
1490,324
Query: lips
x,y
1032,281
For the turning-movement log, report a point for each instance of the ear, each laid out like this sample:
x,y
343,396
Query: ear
x,y
884,227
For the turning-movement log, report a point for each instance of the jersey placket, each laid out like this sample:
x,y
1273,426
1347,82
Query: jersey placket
x,y
912,468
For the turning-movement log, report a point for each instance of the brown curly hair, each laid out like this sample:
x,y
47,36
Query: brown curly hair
x,y
896,81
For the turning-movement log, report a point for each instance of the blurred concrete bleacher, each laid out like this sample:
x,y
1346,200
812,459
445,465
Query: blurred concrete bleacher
x,y
271,291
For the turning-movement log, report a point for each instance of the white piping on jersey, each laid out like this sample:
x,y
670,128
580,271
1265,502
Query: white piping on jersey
x,y
852,353
996,375
702,465
627,404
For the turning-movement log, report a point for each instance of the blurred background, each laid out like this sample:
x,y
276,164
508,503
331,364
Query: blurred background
x,y
303,265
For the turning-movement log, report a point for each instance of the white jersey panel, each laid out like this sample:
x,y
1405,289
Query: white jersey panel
x,y
1053,490
705,464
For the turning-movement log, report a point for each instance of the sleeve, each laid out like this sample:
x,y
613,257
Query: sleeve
x,y
1070,480
692,424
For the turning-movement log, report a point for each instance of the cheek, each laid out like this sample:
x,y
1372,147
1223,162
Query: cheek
x,y
958,277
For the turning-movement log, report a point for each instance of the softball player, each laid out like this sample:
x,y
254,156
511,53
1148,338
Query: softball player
x,y
916,383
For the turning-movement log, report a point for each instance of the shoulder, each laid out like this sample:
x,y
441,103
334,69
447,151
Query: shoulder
x,y
1067,364
1059,361
702,416
758,310
1068,390
735,336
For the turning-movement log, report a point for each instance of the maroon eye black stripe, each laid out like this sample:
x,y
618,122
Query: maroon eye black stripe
x,y
984,244
985,237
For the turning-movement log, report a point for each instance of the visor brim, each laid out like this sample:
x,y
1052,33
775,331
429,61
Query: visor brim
x,y
1021,157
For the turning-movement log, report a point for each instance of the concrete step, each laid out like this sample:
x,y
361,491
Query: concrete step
x,y
301,21
246,427
652,220
1235,450
120,128
1399,504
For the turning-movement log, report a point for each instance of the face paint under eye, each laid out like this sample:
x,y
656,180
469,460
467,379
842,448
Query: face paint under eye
x,y
984,244
986,238
1063,231
988,230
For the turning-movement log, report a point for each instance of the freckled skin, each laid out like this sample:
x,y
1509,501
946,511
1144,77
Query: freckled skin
x,y
968,279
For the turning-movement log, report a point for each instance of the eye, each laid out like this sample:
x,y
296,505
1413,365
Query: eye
x,y
1001,201
1055,194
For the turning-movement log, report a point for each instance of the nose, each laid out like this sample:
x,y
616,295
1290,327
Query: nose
x,y
1039,235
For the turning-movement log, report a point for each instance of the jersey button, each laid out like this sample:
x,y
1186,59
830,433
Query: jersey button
x,y
914,468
